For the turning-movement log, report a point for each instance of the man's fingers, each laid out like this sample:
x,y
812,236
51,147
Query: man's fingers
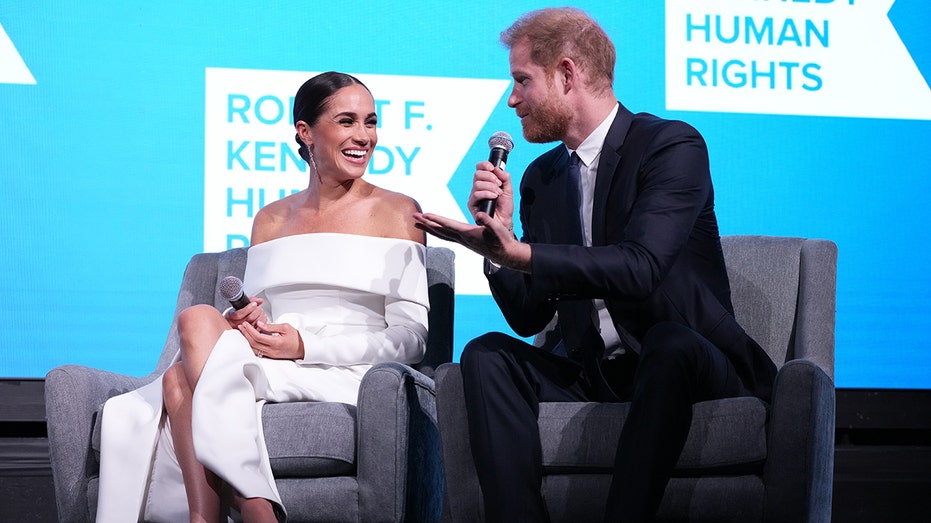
x,y
444,228
439,233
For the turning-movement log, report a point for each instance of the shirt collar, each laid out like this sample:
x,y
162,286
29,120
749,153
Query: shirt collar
x,y
591,146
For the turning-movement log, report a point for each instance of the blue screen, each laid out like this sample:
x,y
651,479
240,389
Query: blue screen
x,y
135,136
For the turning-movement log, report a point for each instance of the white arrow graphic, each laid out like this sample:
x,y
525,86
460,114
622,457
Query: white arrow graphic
x,y
13,69
819,58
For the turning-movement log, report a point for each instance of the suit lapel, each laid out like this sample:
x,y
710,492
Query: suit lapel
x,y
607,167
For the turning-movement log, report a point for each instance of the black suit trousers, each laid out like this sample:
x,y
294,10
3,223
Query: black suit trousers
x,y
505,379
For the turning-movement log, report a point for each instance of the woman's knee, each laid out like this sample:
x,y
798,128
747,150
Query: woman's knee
x,y
199,327
195,316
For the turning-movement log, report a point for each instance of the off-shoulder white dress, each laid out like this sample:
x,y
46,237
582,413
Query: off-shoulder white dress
x,y
356,301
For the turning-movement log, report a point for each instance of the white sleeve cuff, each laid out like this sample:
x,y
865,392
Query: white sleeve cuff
x,y
491,267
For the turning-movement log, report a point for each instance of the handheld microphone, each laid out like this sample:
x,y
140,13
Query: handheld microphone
x,y
500,144
231,290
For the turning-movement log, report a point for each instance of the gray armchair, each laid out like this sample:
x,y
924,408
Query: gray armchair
x,y
378,461
744,460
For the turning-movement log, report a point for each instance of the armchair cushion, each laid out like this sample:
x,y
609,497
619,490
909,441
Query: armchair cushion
x,y
310,440
582,437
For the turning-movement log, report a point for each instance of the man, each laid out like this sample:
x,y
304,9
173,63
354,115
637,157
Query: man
x,y
621,245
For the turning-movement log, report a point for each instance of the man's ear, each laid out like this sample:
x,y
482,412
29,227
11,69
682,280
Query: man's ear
x,y
568,73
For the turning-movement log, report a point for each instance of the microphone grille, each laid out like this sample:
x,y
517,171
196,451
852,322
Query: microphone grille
x,y
501,139
230,287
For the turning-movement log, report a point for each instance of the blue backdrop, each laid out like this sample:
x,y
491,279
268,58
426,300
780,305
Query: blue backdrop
x,y
102,147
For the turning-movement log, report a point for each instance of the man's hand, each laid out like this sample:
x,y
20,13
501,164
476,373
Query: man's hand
x,y
491,183
488,237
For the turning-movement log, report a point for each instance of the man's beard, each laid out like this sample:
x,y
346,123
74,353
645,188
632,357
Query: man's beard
x,y
548,122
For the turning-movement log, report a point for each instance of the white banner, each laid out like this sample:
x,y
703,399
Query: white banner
x,y
816,57
425,127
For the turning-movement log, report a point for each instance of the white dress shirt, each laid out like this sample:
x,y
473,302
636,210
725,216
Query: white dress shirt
x,y
589,152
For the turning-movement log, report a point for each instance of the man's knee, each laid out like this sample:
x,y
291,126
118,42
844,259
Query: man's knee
x,y
670,343
483,347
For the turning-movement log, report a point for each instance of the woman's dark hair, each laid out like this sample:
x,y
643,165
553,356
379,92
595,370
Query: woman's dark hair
x,y
311,99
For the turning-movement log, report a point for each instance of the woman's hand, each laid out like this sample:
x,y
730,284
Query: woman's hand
x,y
278,341
251,314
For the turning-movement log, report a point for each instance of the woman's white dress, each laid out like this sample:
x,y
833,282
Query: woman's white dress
x,y
356,301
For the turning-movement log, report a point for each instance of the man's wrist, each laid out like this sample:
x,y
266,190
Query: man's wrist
x,y
520,262
521,259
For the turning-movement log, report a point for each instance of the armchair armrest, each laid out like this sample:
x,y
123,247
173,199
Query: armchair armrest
x,y
73,396
463,496
800,455
395,399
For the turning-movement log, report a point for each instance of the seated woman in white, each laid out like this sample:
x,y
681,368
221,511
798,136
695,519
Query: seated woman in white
x,y
338,283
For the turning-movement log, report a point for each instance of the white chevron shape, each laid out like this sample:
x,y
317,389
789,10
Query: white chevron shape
x,y
13,69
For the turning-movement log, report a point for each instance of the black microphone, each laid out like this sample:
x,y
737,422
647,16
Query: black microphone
x,y
500,144
231,289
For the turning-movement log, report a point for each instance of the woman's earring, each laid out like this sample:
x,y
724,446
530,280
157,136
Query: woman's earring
x,y
313,163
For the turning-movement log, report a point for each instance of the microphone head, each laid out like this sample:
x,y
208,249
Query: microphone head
x,y
501,140
230,288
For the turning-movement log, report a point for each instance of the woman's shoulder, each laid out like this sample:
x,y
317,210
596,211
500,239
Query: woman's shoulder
x,y
394,215
271,219
397,201
282,208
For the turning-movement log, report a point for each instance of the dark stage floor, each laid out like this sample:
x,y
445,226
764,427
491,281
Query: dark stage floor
x,y
882,463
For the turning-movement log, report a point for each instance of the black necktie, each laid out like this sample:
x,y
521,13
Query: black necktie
x,y
581,337
575,174
574,196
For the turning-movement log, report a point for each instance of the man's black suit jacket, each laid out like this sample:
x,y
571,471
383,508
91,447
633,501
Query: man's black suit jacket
x,y
656,252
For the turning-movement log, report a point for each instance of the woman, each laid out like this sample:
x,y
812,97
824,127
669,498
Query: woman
x,y
322,313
